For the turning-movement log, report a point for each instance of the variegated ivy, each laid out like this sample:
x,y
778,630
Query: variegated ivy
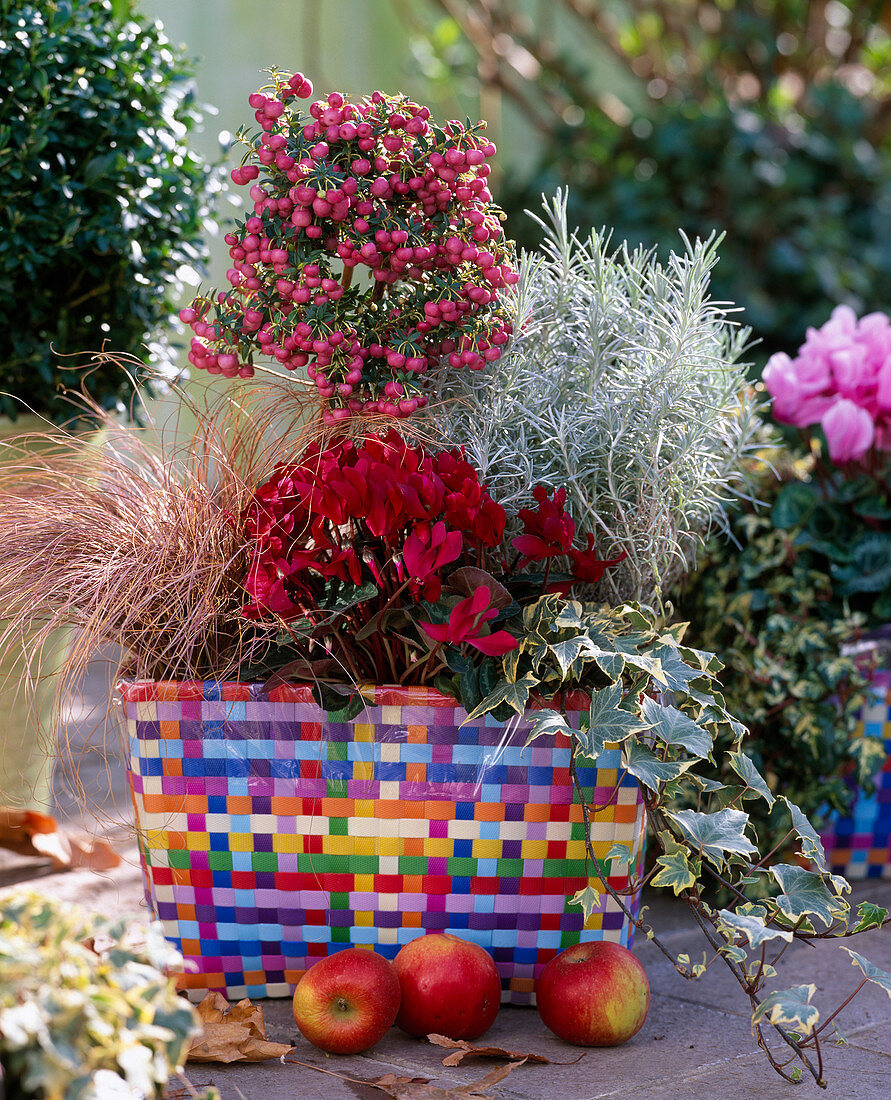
x,y
661,701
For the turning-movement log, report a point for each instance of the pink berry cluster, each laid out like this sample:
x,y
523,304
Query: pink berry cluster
x,y
373,185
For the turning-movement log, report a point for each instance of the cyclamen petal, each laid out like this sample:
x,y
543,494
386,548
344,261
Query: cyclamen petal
x,y
495,645
849,431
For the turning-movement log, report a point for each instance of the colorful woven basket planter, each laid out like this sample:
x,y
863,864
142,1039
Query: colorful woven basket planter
x,y
859,846
271,837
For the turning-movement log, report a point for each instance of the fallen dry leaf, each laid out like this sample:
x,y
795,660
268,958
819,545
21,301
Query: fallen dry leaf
x,y
30,833
420,1088
232,1034
463,1050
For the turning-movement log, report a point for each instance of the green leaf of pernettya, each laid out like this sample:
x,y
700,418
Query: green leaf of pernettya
x,y
790,1008
869,916
516,695
607,722
805,893
714,834
647,768
752,927
879,977
674,728
750,775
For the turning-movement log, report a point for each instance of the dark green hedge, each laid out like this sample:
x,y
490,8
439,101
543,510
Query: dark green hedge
x,y
102,199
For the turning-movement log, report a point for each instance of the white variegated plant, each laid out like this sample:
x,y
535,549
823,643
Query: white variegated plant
x,y
87,1010
623,382
661,702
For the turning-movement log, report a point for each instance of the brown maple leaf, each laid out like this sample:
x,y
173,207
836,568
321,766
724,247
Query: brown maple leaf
x,y
232,1034
30,833
462,1049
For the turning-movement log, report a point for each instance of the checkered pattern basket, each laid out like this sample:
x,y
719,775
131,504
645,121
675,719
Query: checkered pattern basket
x,y
859,846
271,837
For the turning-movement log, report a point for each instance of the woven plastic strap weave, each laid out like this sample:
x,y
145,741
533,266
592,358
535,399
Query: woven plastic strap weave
x,y
271,837
859,846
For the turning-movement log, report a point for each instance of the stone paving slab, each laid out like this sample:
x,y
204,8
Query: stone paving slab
x,y
696,1042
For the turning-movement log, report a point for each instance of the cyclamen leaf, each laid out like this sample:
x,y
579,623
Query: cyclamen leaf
x,y
752,927
675,863
805,893
750,775
869,916
789,1008
674,728
873,973
648,769
607,721
714,834
811,845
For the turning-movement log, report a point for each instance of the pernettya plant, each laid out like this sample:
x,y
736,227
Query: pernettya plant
x,y
661,701
623,382
373,187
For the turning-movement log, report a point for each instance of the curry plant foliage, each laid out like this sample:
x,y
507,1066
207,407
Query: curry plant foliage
x,y
661,701
624,382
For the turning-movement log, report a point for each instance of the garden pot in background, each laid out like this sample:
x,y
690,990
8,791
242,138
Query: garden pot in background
x,y
28,717
859,846
271,837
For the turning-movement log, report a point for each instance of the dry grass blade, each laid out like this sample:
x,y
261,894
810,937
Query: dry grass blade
x,y
138,543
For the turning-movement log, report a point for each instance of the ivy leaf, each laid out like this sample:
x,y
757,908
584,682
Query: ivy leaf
x,y
677,674
789,1008
873,973
569,651
548,723
677,871
752,927
648,769
589,899
869,916
674,728
805,894
611,664
607,721
515,695
620,852
714,834
811,845
750,775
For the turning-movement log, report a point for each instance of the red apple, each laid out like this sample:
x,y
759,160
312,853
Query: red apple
x,y
449,986
593,994
347,1002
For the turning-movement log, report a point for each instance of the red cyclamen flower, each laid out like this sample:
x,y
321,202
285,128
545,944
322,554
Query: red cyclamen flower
x,y
549,529
587,567
425,552
466,621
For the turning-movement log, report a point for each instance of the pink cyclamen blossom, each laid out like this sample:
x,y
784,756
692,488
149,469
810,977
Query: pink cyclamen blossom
x,y
841,379
467,621
849,431
798,387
